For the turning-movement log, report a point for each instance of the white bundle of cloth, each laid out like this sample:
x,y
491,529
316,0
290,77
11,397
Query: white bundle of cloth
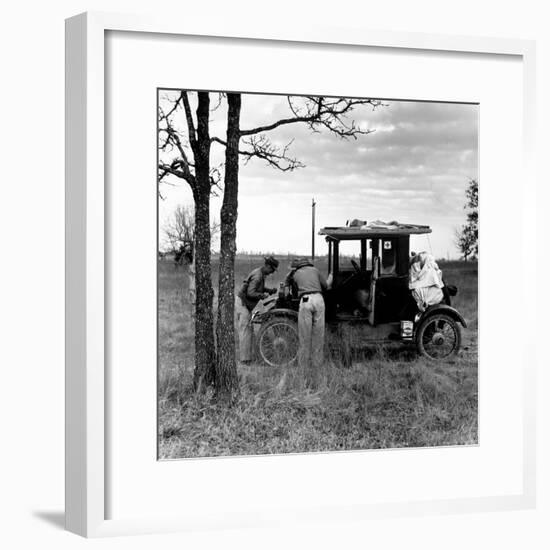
x,y
425,280
379,224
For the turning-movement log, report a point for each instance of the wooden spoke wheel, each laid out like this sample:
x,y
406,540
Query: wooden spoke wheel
x,y
438,337
278,342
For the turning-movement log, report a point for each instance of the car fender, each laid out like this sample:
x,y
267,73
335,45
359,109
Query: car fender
x,y
276,312
442,308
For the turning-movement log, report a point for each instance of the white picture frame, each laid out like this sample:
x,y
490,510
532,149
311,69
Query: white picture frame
x,y
86,293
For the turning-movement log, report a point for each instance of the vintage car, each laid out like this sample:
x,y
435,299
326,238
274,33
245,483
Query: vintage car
x,y
369,301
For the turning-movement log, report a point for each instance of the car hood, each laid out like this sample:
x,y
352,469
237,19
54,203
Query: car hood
x,y
265,305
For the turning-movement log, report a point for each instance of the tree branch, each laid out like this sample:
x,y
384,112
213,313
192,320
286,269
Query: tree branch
x,y
189,118
173,138
263,149
321,111
176,168
276,124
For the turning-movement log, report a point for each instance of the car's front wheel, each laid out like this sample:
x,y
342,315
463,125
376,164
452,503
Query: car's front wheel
x,y
278,341
438,337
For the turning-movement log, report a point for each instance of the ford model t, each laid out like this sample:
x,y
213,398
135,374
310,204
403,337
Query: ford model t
x,y
369,301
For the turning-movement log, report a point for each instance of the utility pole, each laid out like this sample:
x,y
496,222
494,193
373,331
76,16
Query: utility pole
x,y
313,229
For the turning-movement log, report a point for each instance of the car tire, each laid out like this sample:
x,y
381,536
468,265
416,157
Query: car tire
x,y
277,342
439,336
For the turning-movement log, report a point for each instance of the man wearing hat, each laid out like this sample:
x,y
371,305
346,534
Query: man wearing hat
x,y
251,292
309,284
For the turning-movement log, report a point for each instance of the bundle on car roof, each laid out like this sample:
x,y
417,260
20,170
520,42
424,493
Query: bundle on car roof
x,y
355,230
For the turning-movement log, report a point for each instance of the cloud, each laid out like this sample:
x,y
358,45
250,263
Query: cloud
x,y
414,167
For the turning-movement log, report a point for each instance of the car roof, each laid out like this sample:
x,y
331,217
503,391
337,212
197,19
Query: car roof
x,y
374,230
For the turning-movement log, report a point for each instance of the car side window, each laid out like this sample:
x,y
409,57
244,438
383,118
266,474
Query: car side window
x,y
348,251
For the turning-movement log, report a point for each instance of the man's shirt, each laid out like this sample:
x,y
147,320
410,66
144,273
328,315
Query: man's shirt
x,y
253,288
308,279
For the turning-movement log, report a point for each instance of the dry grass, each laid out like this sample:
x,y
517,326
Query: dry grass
x,y
388,398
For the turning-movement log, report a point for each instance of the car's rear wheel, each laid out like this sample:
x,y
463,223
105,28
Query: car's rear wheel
x,y
278,341
438,337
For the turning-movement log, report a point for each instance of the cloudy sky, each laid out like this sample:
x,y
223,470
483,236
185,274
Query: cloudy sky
x,y
413,168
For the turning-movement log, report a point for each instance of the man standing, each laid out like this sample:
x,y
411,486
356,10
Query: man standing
x,y
309,284
252,291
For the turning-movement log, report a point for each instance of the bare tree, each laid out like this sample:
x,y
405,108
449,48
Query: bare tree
x,y
227,384
188,158
190,161
318,113
181,227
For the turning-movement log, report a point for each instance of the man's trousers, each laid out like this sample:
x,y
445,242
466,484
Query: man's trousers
x,y
311,331
245,330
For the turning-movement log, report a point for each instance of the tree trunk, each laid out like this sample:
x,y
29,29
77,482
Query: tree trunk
x,y
205,354
227,382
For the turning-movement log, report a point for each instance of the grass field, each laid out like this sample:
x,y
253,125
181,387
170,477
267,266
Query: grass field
x,y
388,398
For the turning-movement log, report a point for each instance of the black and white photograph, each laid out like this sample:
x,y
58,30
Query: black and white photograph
x,y
317,277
